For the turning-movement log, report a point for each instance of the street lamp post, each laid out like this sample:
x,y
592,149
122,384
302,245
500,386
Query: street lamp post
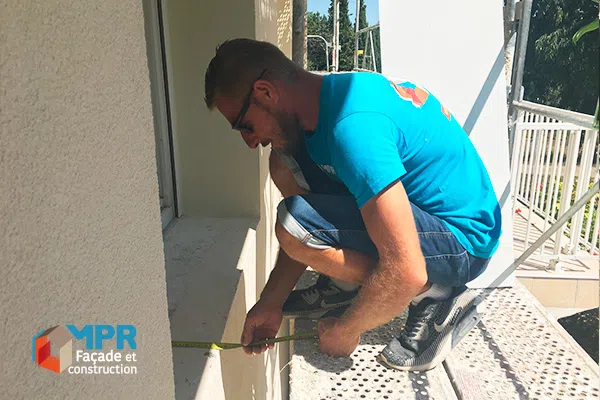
x,y
327,45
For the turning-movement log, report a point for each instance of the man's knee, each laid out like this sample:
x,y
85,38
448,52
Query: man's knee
x,y
289,238
296,223
285,239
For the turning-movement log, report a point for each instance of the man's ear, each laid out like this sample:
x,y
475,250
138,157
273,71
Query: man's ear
x,y
266,91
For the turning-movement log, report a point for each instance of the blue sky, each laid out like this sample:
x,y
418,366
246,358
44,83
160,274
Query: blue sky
x,y
321,6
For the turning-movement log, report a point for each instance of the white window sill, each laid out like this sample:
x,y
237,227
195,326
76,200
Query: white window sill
x,y
204,258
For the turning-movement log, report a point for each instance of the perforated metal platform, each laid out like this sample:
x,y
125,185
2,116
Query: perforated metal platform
x,y
517,351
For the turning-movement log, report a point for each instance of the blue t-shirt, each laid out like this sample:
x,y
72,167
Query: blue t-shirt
x,y
372,132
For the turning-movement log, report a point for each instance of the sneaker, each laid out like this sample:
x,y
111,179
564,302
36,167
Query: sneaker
x,y
321,300
432,330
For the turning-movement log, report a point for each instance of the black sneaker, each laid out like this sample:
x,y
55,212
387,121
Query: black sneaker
x,y
432,330
323,299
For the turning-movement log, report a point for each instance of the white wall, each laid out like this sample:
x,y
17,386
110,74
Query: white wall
x,y
455,50
79,217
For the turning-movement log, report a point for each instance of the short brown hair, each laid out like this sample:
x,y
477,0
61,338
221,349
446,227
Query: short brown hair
x,y
238,62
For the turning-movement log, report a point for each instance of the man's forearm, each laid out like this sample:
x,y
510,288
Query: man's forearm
x,y
384,295
282,280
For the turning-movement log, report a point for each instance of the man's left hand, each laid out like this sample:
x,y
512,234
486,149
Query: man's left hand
x,y
334,340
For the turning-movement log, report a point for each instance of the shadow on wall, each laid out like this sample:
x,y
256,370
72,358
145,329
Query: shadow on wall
x,y
485,92
266,20
284,25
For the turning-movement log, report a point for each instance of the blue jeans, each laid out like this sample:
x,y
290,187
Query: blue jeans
x,y
329,217
324,221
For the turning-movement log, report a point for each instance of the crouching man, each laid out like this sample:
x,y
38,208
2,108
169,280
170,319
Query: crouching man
x,y
384,195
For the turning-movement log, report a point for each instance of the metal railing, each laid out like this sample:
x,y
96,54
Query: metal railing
x,y
554,162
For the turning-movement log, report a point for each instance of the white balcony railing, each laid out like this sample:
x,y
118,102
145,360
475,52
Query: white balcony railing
x,y
555,161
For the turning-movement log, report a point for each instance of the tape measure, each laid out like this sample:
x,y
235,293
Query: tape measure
x,y
228,346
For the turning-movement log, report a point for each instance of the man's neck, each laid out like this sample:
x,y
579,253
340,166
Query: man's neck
x,y
306,102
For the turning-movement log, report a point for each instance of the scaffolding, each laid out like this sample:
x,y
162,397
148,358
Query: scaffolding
x,y
369,61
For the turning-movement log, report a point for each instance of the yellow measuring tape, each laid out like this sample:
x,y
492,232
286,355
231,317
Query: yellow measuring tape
x,y
228,346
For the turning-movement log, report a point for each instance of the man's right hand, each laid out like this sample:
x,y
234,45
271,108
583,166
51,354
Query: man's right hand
x,y
262,322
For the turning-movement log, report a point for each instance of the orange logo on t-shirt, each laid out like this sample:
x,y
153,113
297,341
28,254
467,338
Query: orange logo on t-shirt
x,y
446,112
417,96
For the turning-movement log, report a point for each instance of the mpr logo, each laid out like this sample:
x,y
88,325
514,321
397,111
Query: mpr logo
x,y
53,349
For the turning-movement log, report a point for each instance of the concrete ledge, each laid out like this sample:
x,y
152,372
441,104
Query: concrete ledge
x,y
564,293
203,258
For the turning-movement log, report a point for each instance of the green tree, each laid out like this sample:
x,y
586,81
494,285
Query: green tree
x,y
317,24
346,36
559,72
362,23
377,45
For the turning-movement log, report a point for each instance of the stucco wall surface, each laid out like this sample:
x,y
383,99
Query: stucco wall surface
x,y
80,231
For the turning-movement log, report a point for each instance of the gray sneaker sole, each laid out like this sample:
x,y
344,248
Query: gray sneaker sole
x,y
448,339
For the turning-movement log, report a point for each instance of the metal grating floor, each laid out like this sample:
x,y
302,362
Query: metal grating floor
x,y
517,351
315,376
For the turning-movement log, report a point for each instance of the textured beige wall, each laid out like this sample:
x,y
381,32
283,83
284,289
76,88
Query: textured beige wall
x,y
273,19
284,26
217,173
79,223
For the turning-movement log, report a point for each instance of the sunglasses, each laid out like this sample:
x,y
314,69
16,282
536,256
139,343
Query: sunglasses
x,y
246,106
